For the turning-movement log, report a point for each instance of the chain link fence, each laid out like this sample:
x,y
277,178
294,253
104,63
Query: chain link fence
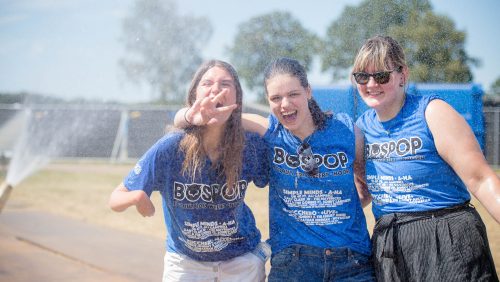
x,y
492,136
125,133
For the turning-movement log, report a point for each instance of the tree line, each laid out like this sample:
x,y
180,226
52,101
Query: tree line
x,y
164,47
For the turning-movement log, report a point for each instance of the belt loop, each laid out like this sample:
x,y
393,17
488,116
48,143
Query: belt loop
x,y
296,251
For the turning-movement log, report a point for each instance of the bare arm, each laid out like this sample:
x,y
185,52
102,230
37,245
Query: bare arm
x,y
255,123
457,145
204,111
179,120
359,169
121,198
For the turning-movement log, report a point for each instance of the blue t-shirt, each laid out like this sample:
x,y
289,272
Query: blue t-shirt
x,y
204,220
322,210
404,171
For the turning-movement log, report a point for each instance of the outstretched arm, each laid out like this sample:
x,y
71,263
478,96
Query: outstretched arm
x,y
360,170
458,146
121,198
204,111
255,123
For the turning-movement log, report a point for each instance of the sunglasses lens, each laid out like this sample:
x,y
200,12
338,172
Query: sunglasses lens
x,y
307,159
303,149
382,77
361,77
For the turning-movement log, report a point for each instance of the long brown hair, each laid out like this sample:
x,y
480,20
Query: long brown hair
x,y
229,163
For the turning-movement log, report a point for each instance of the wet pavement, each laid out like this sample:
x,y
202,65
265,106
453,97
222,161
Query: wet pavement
x,y
38,246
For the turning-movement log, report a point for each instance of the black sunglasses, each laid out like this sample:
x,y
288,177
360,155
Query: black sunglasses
x,y
380,77
307,158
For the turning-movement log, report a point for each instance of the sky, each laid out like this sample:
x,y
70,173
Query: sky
x,y
70,49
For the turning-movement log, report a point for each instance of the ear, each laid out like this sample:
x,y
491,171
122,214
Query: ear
x,y
308,92
405,74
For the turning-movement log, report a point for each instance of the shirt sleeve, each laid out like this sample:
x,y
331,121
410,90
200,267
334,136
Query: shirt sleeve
x,y
259,158
151,171
273,124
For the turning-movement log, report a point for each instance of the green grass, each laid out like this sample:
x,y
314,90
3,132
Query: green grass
x,y
81,190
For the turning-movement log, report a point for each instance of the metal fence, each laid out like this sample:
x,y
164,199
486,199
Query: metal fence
x,y
118,133
492,135
122,133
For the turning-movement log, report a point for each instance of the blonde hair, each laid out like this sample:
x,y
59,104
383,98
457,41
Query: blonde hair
x,y
232,143
382,52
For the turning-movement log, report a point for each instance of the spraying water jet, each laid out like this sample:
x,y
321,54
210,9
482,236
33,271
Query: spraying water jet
x,y
5,189
47,132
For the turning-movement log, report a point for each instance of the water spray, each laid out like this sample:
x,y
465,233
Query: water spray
x,y
5,189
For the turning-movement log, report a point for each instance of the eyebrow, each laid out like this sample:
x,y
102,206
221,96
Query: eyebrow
x,y
211,80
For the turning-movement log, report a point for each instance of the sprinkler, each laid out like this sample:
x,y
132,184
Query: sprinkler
x,y
5,189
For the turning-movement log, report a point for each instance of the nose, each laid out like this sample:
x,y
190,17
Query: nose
x,y
285,102
371,81
216,88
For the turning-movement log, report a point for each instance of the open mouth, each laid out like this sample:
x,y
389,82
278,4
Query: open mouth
x,y
219,105
289,116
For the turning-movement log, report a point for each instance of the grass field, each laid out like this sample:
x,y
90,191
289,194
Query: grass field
x,y
80,190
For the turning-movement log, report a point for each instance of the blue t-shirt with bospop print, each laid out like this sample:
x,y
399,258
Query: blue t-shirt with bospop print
x,y
322,210
404,170
205,220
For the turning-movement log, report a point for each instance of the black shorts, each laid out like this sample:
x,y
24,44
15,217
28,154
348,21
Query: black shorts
x,y
442,245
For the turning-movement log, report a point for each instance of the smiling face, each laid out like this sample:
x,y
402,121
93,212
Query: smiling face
x,y
385,98
382,54
288,101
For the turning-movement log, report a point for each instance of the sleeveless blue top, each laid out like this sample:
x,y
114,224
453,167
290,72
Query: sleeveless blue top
x,y
323,210
404,171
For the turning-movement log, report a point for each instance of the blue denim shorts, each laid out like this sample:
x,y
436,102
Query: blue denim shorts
x,y
306,263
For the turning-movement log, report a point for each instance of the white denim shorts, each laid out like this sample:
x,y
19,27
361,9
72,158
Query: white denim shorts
x,y
247,267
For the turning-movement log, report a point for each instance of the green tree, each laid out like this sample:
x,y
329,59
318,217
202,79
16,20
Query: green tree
x,y
358,23
164,48
495,88
265,37
434,48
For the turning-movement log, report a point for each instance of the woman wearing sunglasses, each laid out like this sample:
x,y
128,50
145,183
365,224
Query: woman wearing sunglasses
x,y
317,226
421,156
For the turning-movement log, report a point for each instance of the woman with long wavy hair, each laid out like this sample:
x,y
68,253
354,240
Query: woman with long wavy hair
x,y
202,174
